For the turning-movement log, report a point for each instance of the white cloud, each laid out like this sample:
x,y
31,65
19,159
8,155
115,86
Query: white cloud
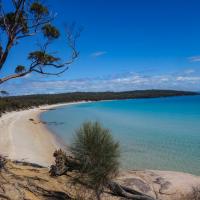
x,y
189,71
98,53
120,82
188,78
194,58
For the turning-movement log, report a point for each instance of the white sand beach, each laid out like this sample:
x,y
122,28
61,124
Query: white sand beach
x,y
26,140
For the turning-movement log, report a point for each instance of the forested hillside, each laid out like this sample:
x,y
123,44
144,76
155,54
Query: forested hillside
x,y
24,102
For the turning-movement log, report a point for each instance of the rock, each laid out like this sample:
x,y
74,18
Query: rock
x,y
163,185
20,180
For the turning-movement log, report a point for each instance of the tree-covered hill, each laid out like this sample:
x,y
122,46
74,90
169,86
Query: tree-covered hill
x,y
13,103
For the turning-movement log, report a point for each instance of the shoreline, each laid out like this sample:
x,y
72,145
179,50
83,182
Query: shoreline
x,y
24,137
40,143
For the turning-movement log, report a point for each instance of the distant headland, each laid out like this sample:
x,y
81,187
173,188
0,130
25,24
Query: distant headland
x,y
14,103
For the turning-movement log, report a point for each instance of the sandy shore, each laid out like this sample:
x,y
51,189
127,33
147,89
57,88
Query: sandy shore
x,y
29,140
26,140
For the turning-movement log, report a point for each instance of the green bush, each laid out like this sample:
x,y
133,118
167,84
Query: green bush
x,y
98,155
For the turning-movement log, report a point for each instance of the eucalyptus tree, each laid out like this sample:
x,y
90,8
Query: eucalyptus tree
x,y
25,20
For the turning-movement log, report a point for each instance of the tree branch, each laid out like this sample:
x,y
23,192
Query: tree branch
x,y
12,76
25,35
6,52
10,32
26,21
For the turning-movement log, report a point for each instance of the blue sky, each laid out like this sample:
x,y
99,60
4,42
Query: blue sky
x,y
125,45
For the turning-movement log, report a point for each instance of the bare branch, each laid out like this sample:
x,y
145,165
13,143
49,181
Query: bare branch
x,y
51,74
27,20
19,9
3,16
25,35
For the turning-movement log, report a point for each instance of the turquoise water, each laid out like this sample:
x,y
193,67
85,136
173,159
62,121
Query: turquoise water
x,y
160,133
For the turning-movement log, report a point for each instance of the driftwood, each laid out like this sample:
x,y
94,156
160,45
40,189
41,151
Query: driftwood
x,y
64,164
127,192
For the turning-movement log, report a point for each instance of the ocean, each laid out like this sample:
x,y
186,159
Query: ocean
x,y
154,133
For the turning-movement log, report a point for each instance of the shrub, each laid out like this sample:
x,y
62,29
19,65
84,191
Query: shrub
x,y
97,153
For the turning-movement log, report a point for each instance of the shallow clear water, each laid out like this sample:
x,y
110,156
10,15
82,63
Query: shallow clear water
x,y
160,133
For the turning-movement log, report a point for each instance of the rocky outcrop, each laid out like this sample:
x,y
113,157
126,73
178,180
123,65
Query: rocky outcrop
x,y
163,185
26,181
20,181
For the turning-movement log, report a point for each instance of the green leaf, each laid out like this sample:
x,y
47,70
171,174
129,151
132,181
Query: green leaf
x,y
42,57
20,69
38,9
51,32
10,20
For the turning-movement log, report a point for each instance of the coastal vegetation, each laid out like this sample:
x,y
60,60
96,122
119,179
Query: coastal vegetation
x,y
21,180
98,155
14,103
94,156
